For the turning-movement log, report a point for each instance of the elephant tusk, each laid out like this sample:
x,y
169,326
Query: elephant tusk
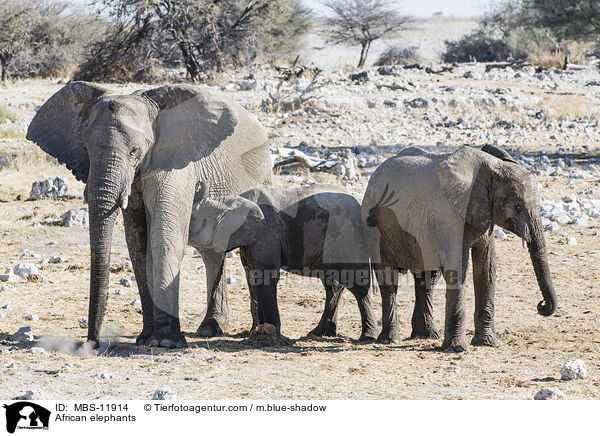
x,y
125,202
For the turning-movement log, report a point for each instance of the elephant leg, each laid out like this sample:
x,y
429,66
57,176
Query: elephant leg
x,y
169,197
455,327
369,329
423,325
484,282
216,319
387,277
328,324
134,218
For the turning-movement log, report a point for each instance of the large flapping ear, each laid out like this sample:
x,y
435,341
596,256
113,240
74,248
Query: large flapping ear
x,y
193,122
498,152
58,125
457,175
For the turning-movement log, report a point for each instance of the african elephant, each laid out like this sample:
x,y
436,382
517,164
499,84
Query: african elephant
x,y
424,211
146,153
313,231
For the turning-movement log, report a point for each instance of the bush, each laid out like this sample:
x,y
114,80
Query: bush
x,y
399,55
482,47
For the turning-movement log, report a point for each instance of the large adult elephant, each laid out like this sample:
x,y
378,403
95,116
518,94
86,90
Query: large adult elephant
x,y
146,153
425,211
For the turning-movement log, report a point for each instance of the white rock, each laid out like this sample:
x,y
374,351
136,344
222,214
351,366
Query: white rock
x,y
57,259
571,240
573,369
164,394
34,395
37,350
32,317
75,217
126,282
553,227
24,334
581,221
49,188
83,323
24,270
106,375
7,287
569,198
136,303
10,277
500,234
120,291
549,394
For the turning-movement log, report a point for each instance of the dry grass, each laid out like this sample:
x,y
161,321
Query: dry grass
x,y
556,59
7,115
558,106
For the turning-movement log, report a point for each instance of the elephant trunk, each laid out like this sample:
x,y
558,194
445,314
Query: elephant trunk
x,y
539,259
104,198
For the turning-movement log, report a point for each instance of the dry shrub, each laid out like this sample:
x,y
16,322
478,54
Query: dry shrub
x,y
575,106
576,51
7,114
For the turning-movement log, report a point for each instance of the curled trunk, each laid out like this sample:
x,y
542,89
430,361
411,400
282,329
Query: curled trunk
x,y
539,259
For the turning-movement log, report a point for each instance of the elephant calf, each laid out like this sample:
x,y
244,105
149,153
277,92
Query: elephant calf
x,y
313,231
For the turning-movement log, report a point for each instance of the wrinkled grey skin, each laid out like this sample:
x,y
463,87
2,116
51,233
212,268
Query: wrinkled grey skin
x,y
146,153
303,230
424,211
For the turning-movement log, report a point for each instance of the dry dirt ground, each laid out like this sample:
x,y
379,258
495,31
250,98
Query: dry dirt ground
x,y
335,368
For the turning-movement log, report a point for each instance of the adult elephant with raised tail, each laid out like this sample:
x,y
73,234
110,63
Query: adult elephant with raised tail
x,y
146,153
425,212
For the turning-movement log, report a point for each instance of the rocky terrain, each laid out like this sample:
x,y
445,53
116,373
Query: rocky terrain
x,y
334,128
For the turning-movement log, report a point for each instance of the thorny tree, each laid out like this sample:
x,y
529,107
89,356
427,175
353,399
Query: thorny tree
x,y
360,22
211,33
15,22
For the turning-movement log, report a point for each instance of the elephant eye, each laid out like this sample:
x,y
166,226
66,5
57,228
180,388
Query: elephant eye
x,y
518,208
134,152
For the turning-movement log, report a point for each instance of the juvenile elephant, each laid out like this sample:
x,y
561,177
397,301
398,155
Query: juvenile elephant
x,y
146,153
313,231
424,211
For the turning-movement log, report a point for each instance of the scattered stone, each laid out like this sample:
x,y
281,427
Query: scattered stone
x,y
106,376
389,103
3,161
6,307
6,287
75,217
569,198
454,369
549,394
573,369
571,240
136,303
57,259
500,234
164,394
32,317
417,103
34,395
126,282
232,279
24,334
388,70
371,104
49,188
30,254
83,323
24,270
230,254
37,350
120,291
361,77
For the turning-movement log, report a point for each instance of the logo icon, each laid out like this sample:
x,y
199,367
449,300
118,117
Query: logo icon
x,y
26,415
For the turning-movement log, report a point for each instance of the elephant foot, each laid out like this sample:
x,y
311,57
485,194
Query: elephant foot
x,y
164,337
425,333
487,339
454,345
388,336
326,328
368,335
143,337
209,328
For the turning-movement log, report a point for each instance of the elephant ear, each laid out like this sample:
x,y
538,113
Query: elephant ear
x,y
192,123
239,226
457,175
499,153
58,125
